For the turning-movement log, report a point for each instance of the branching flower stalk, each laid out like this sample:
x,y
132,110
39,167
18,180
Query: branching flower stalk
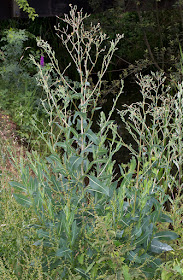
x,y
79,44
156,126
84,47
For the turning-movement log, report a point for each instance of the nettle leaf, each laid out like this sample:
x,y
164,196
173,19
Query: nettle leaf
x,y
159,247
166,235
23,200
97,186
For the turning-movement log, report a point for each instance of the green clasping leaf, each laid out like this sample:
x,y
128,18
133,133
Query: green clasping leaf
x,y
23,200
18,186
75,162
97,186
63,252
166,235
159,247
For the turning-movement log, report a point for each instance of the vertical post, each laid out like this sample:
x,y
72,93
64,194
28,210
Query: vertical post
x,y
15,9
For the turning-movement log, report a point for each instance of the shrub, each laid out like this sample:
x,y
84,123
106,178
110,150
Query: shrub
x,y
20,95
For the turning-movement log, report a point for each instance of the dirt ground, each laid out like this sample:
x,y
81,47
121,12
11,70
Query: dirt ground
x,y
9,145
7,127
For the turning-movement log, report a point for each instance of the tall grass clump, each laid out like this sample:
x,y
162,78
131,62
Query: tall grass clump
x,y
90,224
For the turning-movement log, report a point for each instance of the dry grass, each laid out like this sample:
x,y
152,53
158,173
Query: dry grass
x,y
16,253
10,149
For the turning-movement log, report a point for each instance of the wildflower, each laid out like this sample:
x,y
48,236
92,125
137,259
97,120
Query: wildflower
x,y
42,61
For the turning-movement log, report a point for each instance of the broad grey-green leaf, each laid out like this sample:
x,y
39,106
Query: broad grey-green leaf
x,y
74,132
57,183
81,115
126,273
92,137
142,239
82,272
56,163
33,185
23,200
38,203
90,267
76,96
102,151
53,158
61,145
38,243
165,219
96,185
159,247
133,164
134,257
63,252
75,162
119,234
74,232
166,235
18,186
43,234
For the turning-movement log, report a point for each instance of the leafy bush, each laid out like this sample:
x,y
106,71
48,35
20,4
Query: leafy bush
x,y
23,4
20,95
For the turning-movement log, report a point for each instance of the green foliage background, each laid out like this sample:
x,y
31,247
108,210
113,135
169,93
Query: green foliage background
x,y
24,5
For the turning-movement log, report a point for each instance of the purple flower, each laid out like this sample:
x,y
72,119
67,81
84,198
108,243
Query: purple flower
x,y
42,61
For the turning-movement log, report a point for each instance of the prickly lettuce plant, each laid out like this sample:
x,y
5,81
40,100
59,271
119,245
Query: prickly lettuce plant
x,y
156,126
84,219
